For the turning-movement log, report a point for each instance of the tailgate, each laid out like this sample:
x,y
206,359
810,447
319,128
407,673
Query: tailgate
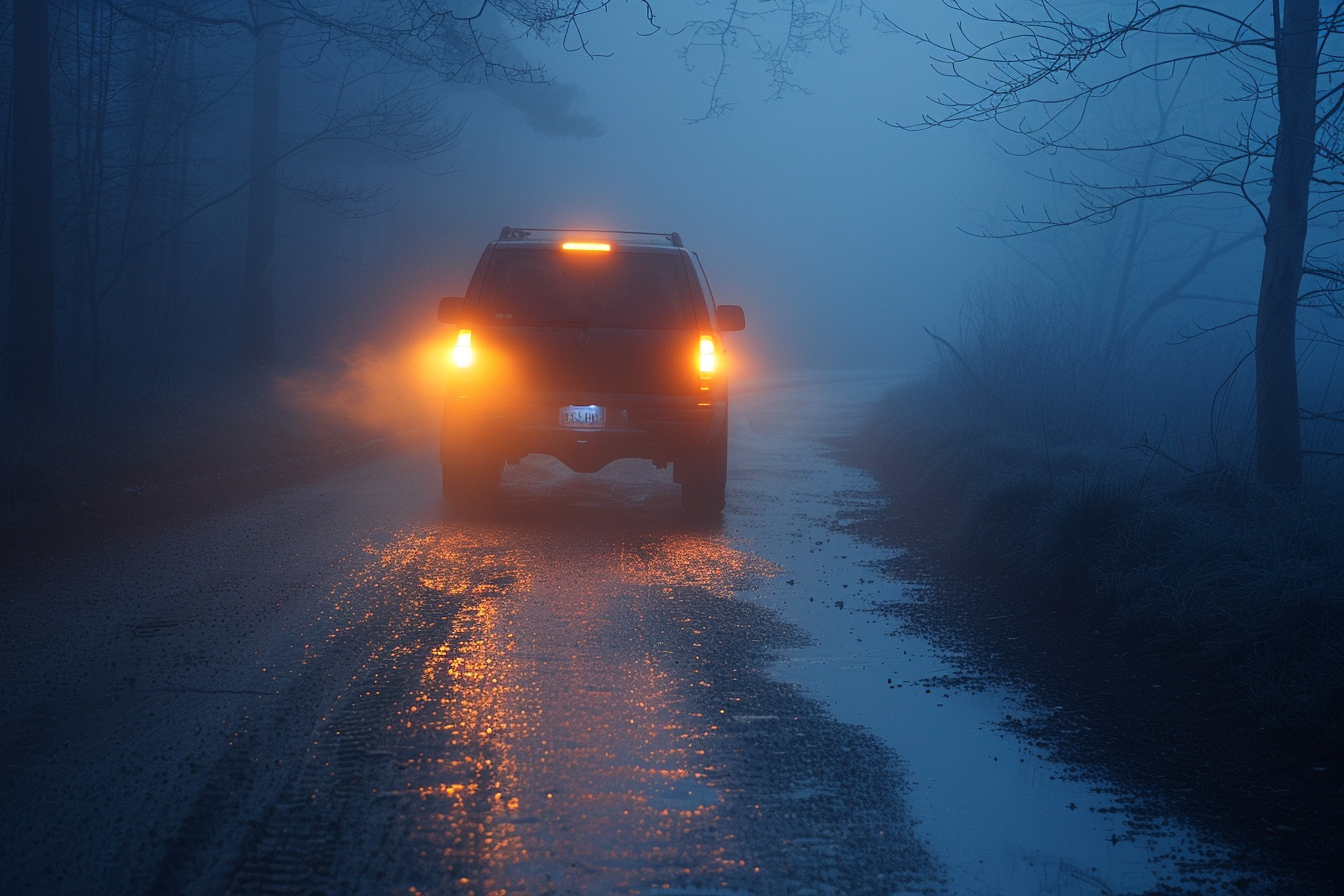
x,y
593,360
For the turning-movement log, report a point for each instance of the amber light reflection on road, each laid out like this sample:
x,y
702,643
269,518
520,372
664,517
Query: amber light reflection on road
x,y
551,748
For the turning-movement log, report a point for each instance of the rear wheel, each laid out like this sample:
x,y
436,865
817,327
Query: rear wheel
x,y
704,478
471,480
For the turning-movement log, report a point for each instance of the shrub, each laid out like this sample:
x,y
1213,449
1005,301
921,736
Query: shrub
x,y
1027,463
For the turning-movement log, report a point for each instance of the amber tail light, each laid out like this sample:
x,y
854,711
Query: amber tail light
x,y
709,357
709,362
462,354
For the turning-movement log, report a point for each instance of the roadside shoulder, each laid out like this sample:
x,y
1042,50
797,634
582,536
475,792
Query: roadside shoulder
x,y
1146,720
66,485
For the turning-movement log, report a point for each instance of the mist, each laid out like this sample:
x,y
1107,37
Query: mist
x,y
851,239
1042,298
838,233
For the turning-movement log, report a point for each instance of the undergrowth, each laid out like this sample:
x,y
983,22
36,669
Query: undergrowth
x,y
112,457
1058,500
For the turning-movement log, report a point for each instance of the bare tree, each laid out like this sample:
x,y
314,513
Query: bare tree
x,y
393,39
138,160
1278,415
31,349
1045,73
257,338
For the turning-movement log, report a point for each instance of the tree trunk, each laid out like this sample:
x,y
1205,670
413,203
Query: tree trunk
x,y
31,349
257,343
1278,427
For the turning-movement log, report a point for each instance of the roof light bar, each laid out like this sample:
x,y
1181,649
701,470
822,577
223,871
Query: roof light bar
x,y
620,236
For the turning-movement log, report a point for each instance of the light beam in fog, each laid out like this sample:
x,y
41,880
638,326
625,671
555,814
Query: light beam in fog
x,y
393,392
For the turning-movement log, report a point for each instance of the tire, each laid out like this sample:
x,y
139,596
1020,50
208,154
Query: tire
x,y
704,478
471,481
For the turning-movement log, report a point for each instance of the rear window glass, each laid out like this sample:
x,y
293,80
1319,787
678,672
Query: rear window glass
x,y
552,287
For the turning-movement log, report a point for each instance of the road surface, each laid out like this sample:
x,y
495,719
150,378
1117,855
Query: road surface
x,y
336,688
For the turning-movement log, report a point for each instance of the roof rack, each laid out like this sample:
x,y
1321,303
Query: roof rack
x,y
520,233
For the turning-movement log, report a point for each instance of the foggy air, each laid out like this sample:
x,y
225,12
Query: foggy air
x,y
623,446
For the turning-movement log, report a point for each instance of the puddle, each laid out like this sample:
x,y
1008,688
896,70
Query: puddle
x,y
1003,818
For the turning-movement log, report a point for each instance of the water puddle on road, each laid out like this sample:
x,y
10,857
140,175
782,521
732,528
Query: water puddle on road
x,y
1004,819
587,712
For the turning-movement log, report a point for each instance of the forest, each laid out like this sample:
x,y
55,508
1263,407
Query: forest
x,y
1142,433
1174,208
1090,248
146,145
147,149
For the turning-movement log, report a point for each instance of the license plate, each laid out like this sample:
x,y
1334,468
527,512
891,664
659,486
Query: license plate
x,y
583,416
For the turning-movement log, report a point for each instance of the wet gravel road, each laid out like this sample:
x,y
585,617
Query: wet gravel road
x,y
336,689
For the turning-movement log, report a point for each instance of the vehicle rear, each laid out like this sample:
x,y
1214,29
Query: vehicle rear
x,y
588,350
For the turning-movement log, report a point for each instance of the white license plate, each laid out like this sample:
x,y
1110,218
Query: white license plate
x,y
583,416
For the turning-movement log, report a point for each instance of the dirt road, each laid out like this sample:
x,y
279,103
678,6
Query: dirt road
x,y
337,688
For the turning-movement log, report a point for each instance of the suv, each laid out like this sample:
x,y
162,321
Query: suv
x,y
588,346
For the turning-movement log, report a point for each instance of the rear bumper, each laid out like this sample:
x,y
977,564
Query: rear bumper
x,y
664,429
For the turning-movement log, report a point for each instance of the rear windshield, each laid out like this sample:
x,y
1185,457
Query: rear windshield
x,y
552,287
